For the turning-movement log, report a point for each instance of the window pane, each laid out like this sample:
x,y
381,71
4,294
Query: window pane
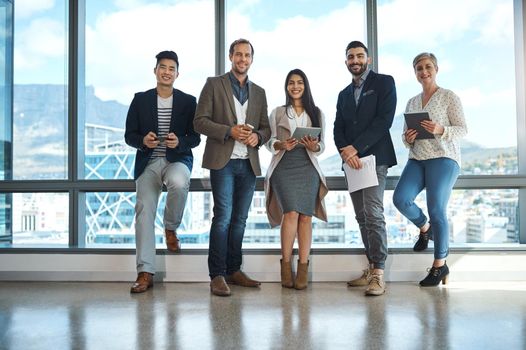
x,y
475,216
134,33
6,89
34,221
311,37
474,46
6,207
110,220
40,90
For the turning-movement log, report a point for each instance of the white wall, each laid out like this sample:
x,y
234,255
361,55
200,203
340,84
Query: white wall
x,y
472,266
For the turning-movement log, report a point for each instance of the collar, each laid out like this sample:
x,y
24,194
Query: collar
x,y
234,80
363,77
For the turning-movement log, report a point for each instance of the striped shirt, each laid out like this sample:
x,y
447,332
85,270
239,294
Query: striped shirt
x,y
164,115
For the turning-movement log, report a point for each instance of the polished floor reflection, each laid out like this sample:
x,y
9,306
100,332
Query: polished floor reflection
x,y
53,315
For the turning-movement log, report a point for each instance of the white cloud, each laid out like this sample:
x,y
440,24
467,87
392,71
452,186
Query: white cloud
x,y
121,48
499,26
433,23
482,114
475,97
41,40
27,8
471,97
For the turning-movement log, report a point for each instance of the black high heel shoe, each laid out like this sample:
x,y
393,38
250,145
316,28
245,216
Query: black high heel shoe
x,y
435,276
423,241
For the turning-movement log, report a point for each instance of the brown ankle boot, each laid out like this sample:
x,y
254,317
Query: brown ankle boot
x,y
286,274
302,276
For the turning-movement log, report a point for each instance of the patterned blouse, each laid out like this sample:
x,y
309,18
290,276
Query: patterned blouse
x,y
444,108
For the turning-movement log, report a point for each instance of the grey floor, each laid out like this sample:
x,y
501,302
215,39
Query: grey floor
x,y
53,315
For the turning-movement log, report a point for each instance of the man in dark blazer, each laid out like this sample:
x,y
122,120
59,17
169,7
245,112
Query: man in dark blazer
x,y
160,126
364,115
232,113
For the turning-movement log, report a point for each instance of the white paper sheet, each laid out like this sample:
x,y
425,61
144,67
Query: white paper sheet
x,y
358,179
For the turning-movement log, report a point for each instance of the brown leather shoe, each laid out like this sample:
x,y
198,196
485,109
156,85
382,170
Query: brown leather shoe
x,y
143,283
219,287
172,242
239,278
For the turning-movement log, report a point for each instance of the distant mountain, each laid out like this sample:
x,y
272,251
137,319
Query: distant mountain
x,y
107,113
40,135
40,127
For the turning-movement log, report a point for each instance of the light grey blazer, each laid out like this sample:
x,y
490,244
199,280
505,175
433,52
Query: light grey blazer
x,y
216,114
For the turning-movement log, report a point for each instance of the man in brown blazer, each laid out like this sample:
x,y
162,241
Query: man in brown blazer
x,y
232,113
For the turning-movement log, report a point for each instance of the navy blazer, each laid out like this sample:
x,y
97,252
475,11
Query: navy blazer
x,y
143,118
366,125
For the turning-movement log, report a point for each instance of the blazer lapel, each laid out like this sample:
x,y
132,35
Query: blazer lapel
x,y
154,112
227,85
350,103
176,110
365,88
252,102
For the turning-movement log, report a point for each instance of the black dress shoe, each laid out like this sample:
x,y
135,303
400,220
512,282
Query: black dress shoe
x,y
423,241
435,276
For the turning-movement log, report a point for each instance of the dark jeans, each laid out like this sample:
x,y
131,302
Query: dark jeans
x,y
232,189
369,210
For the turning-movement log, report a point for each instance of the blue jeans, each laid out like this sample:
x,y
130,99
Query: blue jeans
x,y
437,176
368,206
232,189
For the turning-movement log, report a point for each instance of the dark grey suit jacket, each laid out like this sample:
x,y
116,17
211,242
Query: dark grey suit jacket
x,y
216,114
366,125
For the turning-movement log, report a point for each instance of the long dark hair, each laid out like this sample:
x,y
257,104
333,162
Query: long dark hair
x,y
306,99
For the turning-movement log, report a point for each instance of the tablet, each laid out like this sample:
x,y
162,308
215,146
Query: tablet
x,y
412,120
304,131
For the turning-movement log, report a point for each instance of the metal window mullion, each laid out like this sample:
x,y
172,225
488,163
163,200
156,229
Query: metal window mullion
x,y
76,28
519,12
371,24
220,36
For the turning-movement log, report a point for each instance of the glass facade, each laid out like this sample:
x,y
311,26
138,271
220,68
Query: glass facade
x,y
6,110
40,111
134,35
313,38
37,223
467,42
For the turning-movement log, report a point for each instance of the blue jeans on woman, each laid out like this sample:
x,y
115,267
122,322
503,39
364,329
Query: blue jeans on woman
x,y
232,188
437,176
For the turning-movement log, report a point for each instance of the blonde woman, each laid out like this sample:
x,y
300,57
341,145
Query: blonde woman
x,y
434,164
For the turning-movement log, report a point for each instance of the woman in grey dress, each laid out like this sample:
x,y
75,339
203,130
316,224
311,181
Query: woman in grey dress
x,y
294,185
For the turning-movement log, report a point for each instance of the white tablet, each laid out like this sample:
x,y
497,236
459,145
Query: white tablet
x,y
304,131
